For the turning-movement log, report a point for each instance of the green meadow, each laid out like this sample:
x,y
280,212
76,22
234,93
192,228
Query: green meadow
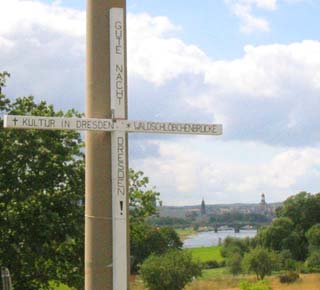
x,y
205,254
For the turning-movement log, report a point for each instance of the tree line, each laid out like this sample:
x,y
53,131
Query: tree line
x,y
291,243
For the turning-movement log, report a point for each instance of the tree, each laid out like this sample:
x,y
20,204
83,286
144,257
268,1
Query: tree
x,y
147,240
303,210
313,237
41,189
281,235
171,271
313,261
259,261
233,262
235,245
143,199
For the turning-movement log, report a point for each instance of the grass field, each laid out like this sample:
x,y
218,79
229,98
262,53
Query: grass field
x,y
219,279
222,281
205,254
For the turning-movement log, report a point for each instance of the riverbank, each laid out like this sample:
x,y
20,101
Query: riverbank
x,y
186,233
212,238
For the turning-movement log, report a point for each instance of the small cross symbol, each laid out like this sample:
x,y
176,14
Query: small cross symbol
x,y
15,121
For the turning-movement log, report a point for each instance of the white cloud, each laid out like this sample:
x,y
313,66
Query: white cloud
x,y
268,71
148,38
191,173
243,9
43,47
284,173
250,23
270,95
26,15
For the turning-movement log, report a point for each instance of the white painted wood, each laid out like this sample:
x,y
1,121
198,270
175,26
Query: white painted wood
x,y
87,124
119,210
55,123
169,127
119,150
117,68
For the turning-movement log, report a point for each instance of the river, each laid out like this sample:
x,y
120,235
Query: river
x,y
206,239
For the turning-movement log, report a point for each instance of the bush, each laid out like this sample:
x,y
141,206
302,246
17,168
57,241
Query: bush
x,y
212,264
259,261
260,285
171,271
313,262
234,264
289,277
286,261
147,240
235,245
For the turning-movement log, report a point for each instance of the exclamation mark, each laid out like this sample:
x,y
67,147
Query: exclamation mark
x,y
121,207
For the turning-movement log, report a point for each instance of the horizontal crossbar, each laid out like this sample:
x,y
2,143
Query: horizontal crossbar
x,y
89,124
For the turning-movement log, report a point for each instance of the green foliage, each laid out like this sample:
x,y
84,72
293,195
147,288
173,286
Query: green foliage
x,y
147,240
313,237
238,217
4,102
289,277
281,235
259,261
171,271
169,221
210,264
286,261
260,285
313,261
206,254
233,263
305,203
235,245
274,236
143,200
303,210
294,226
41,185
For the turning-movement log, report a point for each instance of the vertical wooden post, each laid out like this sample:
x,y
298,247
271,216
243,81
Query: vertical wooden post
x,y
98,199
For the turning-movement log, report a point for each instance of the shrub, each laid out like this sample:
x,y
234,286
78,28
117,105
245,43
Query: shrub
x,y
313,262
286,261
170,271
259,261
147,240
212,264
289,277
260,285
234,264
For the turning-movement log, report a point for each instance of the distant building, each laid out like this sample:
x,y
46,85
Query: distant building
x,y
263,205
203,210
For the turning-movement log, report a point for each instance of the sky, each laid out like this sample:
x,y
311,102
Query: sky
x,y
251,65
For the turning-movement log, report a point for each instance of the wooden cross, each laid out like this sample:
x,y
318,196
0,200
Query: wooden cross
x,y
118,126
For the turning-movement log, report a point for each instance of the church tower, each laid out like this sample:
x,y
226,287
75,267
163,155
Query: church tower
x,y
263,204
203,208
